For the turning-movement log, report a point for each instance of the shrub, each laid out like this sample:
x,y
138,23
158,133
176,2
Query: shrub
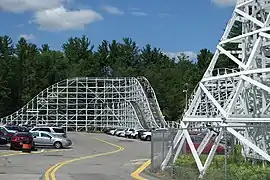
x,y
237,167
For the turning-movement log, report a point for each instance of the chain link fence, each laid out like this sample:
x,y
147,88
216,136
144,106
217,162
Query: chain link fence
x,y
229,161
161,142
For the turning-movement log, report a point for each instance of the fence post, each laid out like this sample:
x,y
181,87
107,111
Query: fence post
x,y
173,154
225,159
162,151
152,151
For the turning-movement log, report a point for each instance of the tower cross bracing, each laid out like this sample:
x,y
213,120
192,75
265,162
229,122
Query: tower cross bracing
x,y
235,101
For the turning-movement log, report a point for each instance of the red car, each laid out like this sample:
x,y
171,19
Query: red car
x,y
18,139
197,141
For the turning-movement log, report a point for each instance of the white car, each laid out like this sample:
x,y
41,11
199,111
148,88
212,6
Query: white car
x,y
146,136
120,132
112,132
136,134
128,132
124,132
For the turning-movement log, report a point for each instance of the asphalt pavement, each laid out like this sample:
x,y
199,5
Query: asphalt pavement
x,y
91,157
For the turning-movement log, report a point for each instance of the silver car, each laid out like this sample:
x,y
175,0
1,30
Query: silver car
x,y
53,130
43,138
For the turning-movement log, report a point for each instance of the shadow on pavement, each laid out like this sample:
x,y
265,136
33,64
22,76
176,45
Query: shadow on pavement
x,y
37,148
50,147
4,147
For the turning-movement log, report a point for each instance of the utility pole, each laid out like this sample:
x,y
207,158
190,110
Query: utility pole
x,y
186,91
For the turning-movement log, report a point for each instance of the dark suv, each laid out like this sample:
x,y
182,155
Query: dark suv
x,y
6,134
3,139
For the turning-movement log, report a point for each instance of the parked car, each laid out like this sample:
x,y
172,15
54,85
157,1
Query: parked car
x,y
146,136
128,132
120,132
7,134
17,128
107,130
124,132
3,139
27,126
137,133
6,129
112,131
17,140
43,138
54,130
133,134
23,129
140,133
197,141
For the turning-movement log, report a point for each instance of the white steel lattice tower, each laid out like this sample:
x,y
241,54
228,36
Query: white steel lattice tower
x,y
82,103
235,100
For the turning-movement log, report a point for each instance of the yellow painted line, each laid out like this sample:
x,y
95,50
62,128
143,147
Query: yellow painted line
x,y
10,154
136,174
7,152
50,174
49,151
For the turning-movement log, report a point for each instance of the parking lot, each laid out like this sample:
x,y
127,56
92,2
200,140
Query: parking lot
x,y
91,156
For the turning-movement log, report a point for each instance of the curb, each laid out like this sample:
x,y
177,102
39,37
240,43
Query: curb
x,y
151,174
136,174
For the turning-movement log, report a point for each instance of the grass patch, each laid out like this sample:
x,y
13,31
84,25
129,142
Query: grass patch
x,y
237,168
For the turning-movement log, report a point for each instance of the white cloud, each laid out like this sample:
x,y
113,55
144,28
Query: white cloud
x,y
137,13
52,14
134,9
164,15
58,19
27,36
112,10
192,55
17,6
224,2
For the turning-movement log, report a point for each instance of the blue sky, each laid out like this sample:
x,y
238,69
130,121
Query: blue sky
x,y
174,26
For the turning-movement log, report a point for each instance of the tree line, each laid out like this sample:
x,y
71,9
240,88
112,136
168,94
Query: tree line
x,y
26,69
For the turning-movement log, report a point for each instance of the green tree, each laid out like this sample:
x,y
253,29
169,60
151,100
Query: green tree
x,y
203,60
6,52
26,69
77,51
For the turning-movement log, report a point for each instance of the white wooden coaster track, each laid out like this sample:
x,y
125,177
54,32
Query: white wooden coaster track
x,y
85,102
